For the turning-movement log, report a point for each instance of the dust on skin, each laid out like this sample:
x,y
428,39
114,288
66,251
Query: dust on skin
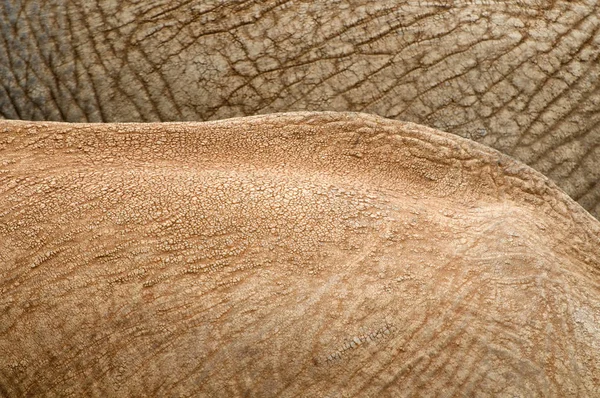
x,y
304,254
521,77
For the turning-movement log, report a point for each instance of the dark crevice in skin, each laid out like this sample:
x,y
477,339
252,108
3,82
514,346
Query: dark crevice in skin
x,y
109,71
9,33
44,64
433,87
95,93
60,86
525,133
589,151
7,101
192,60
167,88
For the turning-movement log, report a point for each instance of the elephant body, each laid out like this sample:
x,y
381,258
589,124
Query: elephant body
x,y
303,254
521,77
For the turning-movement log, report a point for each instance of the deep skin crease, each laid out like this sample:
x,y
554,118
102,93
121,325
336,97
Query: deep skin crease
x,y
303,254
520,76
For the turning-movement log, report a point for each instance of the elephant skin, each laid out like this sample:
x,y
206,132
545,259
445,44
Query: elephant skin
x,y
522,77
302,254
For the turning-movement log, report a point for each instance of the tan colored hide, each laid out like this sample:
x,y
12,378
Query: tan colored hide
x,y
288,255
520,76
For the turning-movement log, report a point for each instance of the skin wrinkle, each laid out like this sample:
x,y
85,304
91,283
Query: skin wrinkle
x,y
284,255
448,65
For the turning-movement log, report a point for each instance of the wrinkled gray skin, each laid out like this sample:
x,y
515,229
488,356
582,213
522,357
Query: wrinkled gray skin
x,y
521,77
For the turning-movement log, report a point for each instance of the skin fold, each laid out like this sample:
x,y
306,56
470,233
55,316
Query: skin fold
x,y
302,254
521,77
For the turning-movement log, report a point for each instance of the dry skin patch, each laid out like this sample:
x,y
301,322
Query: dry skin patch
x,y
307,253
520,76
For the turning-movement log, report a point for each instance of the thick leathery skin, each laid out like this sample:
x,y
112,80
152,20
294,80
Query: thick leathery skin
x,y
521,77
303,254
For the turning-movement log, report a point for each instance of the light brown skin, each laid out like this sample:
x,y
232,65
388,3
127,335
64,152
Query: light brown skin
x,y
520,76
306,254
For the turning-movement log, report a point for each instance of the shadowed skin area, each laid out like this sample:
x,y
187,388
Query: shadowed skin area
x,y
311,254
522,77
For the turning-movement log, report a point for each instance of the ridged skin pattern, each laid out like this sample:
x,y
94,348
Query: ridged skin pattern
x,y
521,76
317,255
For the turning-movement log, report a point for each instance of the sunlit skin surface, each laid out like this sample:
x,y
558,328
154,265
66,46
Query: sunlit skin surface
x,y
304,254
520,76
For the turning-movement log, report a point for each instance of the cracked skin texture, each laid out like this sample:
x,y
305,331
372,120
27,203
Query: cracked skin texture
x,y
522,77
302,254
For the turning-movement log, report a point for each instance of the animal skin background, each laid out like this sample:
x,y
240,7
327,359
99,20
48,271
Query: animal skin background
x,y
317,254
520,76
311,254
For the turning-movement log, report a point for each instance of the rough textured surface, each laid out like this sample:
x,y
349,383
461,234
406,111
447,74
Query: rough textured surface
x,y
521,76
315,254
